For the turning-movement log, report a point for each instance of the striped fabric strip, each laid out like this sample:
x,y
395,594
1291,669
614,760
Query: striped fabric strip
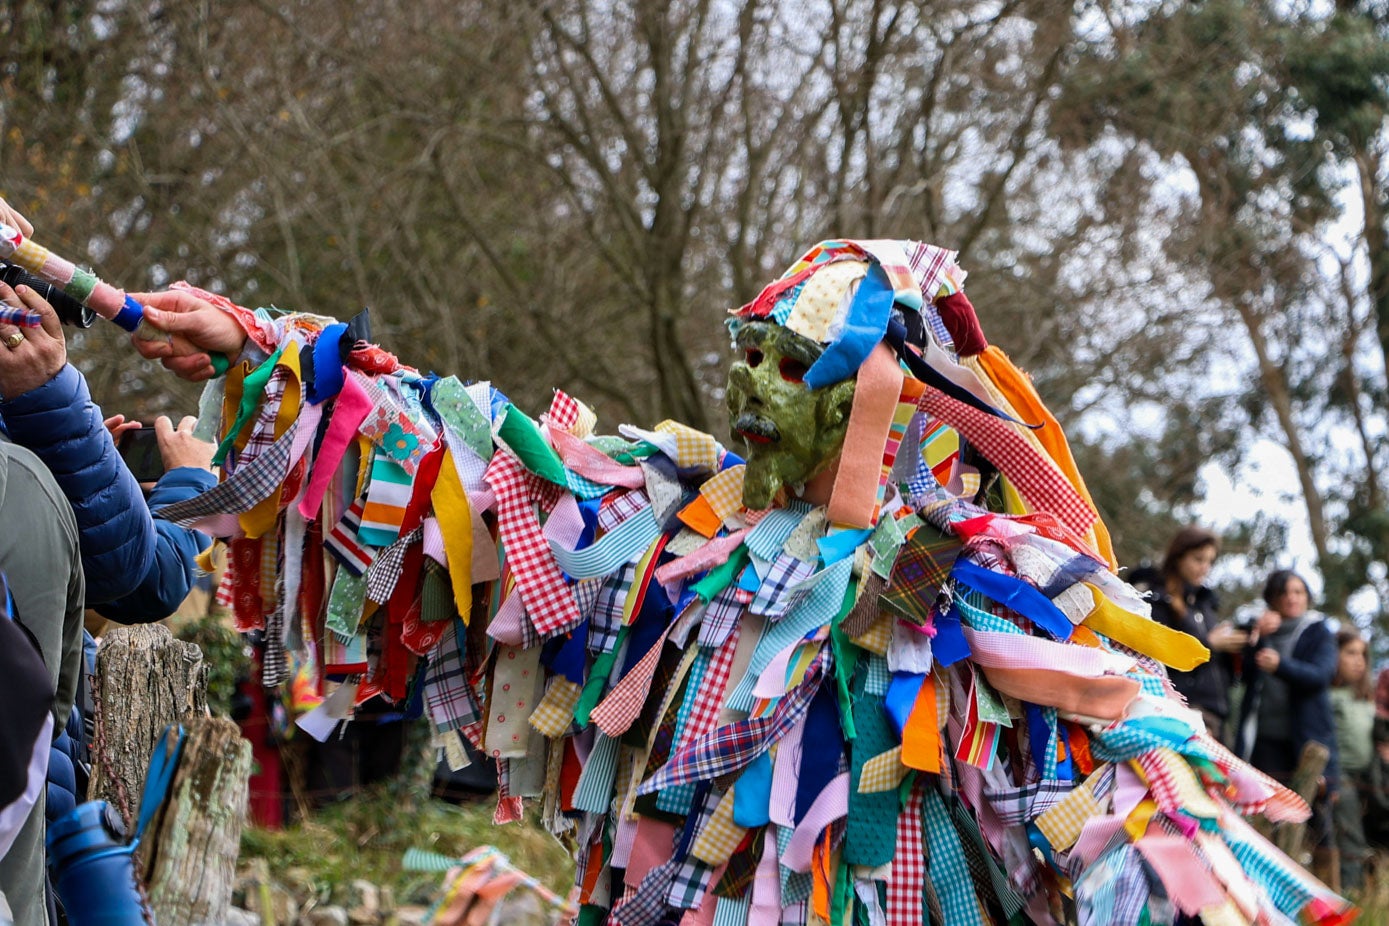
x,y
387,496
345,543
768,537
594,790
621,545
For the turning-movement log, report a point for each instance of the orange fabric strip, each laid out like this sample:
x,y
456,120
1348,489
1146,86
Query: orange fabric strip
x,y
1104,698
921,736
855,494
699,516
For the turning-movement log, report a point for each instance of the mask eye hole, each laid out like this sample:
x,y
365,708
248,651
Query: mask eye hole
x,y
754,358
793,371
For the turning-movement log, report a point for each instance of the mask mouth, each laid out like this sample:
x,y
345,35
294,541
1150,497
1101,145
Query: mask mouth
x,y
756,429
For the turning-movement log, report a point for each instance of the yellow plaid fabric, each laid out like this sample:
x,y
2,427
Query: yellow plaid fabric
x,y
724,491
693,449
1175,786
883,772
1062,822
876,638
588,420
30,256
552,715
720,836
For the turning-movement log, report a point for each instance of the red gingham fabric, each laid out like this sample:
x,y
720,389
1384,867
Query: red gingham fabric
x,y
564,411
549,602
1035,476
709,698
619,709
908,878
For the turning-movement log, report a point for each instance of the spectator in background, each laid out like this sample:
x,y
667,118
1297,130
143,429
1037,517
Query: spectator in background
x,y
1181,600
1353,706
1288,667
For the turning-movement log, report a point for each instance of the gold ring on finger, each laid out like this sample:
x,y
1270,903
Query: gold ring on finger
x,y
14,339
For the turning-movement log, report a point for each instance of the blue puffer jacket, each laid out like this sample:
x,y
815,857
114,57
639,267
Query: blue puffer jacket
x,y
59,422
173,573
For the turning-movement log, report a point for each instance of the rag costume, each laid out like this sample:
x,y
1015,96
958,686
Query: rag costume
x,y
904,686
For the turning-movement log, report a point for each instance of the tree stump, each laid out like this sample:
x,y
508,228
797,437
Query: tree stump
x,y
191,847
145,680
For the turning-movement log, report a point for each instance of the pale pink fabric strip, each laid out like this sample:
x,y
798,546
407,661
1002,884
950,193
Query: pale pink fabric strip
x,y
593,464
1189,882
831,804
714,553
1019,651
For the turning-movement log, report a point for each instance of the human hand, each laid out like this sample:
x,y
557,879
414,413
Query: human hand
x,y
1224,638
1267,659
198,329
178,447
10,217
29,357
118,425
1269,622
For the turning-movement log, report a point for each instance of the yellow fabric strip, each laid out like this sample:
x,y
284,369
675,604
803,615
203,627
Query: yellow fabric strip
x,y
1181,651
456,525
261,518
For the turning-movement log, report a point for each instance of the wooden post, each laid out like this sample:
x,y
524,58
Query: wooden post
x,y
191,848
1306,781
145,680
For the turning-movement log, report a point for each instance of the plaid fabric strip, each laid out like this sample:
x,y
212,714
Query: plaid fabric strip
x,y
242,491
883,772
923,565
778,592
742,865
606,621
617,508
927,262
1016,806
647,904
450,698
345,544
1034,475
719,837
730,748
720,618
620,707
989,876
555,711
692,879
1175,787
263,431
549,603
699,709
949,869
908,878
385,571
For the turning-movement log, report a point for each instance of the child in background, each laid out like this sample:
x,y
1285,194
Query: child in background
x,y
1353,705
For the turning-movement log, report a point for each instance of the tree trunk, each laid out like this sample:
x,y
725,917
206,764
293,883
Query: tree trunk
x,y
192,846
145,680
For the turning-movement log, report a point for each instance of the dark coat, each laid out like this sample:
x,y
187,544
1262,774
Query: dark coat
x,y
1206,687
1308,672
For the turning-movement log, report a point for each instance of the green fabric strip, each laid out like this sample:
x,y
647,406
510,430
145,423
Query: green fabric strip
x,y
251,390
522,435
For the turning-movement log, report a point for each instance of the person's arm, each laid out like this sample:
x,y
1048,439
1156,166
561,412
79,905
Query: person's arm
x,y
173,571
1318,668
45,406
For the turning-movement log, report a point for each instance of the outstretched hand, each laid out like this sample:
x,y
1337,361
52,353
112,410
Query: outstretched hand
x,y
10,217
198,329
178,447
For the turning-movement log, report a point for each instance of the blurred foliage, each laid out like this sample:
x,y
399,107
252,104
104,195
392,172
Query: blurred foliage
x,y
224,653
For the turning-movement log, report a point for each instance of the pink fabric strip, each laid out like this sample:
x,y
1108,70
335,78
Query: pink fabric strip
x,y
1189,882
785,776
855,495
651,847
714,553
1019,651
765,909
350,409
829,805
592,463
506,623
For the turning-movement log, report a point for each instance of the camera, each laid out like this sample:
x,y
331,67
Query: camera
x,y
69,310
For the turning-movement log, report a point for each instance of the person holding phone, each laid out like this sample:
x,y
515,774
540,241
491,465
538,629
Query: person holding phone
x,y
172,465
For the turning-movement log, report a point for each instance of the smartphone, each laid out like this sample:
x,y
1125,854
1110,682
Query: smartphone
x,y
140,450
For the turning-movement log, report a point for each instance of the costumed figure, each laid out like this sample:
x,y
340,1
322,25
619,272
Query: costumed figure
x,y
877,669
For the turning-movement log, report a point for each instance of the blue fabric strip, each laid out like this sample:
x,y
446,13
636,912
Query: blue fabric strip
x,y
1016,594
327,364
616,548
864,327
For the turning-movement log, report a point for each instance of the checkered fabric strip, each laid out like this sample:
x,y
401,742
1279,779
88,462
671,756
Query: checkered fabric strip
x,y
949,868
908,878
719,837
690,883
778,592
617,508
555,711
724,491
263,431
647,904
621,705
606,620
1174,786
450,698
1062,822
742,865
1016,806
564,411
989,876
1034,475
549,603
693,449
385,571
243,490
720,618
922,567
345,544
729,748
883,772
706,699
927,262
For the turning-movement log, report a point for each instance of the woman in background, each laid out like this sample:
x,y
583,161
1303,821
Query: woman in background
x,y
1353,706
1182,600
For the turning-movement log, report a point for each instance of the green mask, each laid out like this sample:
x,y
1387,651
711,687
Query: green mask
x,y
792,433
